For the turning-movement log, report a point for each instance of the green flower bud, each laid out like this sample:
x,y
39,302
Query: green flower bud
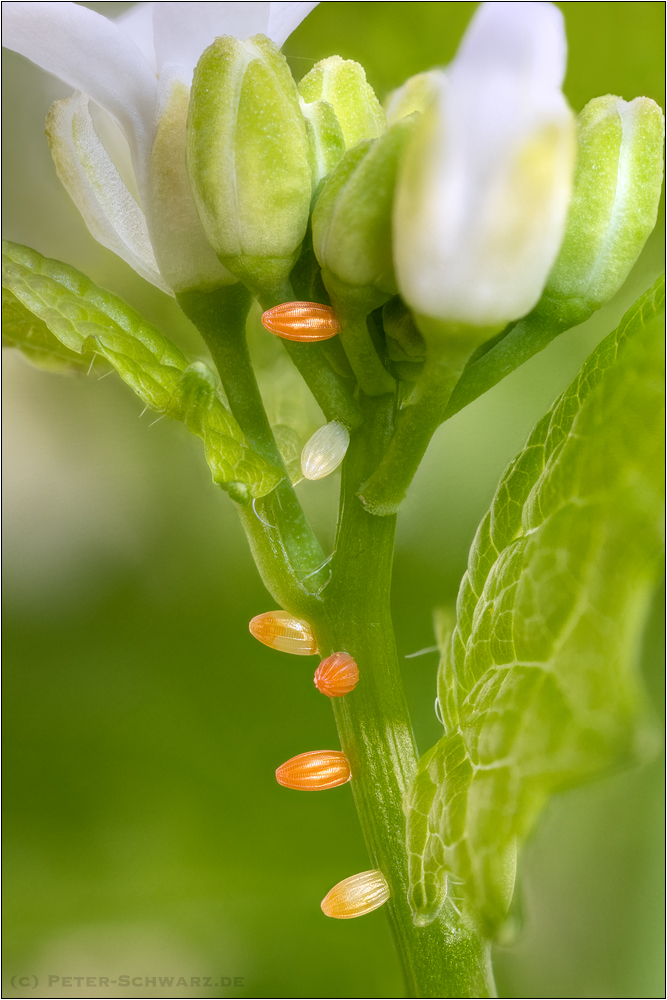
x,y
352,220
415,95
342,84
352,239
617,187
248,159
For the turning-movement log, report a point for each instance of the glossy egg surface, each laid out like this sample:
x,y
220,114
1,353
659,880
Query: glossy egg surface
x,y
337,675
324,452
281,630
303,321
314,771
357,895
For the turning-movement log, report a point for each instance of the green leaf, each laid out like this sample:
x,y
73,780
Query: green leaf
x,y
68,310
22,330
539,687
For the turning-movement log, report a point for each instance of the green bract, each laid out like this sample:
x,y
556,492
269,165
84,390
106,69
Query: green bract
x,y
342,84
87,320
539,686
615,201
249,160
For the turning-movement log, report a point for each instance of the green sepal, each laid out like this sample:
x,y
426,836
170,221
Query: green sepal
x,y
87,319
249,160
614,204
342,84
539,687
325,136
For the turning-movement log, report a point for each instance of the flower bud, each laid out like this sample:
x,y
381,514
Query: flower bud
x,y
314,771
416,94
248,159
342,84
485,184
281,630
617,187
356,895
352,217
352,241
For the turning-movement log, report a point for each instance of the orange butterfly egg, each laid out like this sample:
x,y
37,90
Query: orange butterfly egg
x,y
314,771
337,675
357,895
281,630
302,321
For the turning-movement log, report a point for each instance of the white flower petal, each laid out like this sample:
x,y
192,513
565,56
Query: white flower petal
x,y
108,209
186,258
183,30
523,39
137,23
92,54
285,18
484,191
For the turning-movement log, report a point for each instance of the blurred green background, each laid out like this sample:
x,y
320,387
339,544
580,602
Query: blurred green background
x,y
145,833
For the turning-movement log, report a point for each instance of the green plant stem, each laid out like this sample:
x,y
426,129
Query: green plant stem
x,y
443,959
385,489
220,317
333,393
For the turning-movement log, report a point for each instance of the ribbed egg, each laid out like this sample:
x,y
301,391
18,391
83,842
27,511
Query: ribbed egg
x,y
357,895
281,630
337,675
325,450
314,771
302,321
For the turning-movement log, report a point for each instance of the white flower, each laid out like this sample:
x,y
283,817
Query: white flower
x,y
483,194
138,70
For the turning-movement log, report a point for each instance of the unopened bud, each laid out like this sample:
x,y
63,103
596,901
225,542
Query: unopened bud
x,y
614,206
352,227
342,84
485,184
249,160
416,94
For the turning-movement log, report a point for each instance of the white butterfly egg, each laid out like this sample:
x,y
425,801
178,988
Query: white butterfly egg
x,y
325,450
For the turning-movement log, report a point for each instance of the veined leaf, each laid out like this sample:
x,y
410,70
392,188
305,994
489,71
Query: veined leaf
x,y
68,310
22,330
539,687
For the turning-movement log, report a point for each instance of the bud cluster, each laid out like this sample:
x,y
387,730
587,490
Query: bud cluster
x,y
474,196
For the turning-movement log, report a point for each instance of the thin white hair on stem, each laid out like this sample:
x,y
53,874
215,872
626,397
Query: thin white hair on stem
x,y
422,652
438,712
157,421
92,362
259,516
318,568
105,375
